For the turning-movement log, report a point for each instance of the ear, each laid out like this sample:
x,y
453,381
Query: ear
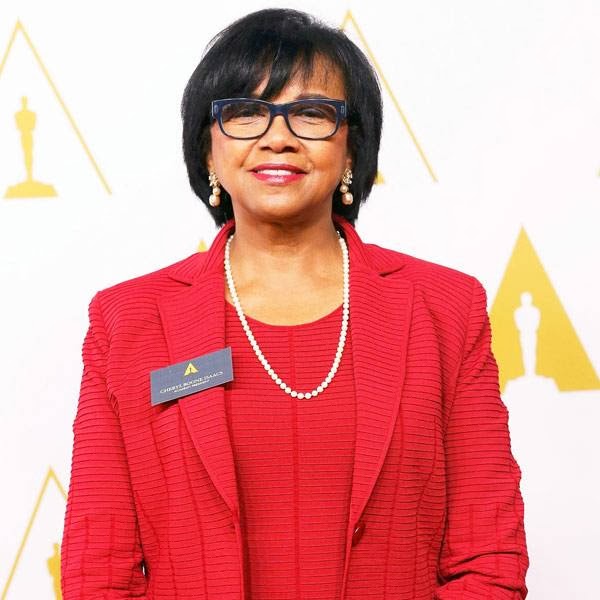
x,y
209,163
349,162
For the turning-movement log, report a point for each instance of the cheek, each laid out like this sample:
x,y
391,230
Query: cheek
x,y
228,154
332,159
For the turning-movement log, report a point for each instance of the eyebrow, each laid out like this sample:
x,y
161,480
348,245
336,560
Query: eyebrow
x,y
310,95
300,96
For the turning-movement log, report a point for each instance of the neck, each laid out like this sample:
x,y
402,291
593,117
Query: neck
x,y
263,252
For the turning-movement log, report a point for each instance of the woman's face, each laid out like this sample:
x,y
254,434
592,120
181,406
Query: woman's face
x,y
256,197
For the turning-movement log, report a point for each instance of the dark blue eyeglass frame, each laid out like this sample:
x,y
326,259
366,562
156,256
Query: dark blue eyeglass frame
x,y
341,113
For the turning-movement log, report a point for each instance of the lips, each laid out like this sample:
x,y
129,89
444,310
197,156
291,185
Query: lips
x,y
278,173
277,169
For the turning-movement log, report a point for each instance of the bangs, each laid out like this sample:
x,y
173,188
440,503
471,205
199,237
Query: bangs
x,y
273,56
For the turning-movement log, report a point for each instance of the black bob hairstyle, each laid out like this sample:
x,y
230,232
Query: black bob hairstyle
x,y
281,43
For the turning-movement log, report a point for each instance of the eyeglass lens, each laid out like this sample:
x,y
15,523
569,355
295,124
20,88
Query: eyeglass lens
x,y
246,118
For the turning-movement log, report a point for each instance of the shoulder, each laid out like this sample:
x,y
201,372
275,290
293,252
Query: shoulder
x,y
418,270
136,297
453,301
159,281
447,292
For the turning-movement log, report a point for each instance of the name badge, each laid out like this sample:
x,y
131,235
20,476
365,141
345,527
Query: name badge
x,y
190,376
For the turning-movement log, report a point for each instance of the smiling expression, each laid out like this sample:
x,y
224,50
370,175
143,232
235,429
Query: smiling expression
x,y
278,176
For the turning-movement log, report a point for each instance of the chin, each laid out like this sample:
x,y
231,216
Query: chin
x,y
280,208
283,217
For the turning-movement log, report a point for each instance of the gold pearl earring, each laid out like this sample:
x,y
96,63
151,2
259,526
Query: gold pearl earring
x,y
347,197
215,198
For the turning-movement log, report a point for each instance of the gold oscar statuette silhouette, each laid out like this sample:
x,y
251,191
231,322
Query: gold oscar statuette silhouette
x,y
30,188
527,318
54,569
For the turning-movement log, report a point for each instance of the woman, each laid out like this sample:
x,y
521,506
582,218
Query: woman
x,y
293,413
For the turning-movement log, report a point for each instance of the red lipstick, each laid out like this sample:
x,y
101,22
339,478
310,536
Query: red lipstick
x,y
278,173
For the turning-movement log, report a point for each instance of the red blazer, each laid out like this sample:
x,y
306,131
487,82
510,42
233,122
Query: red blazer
x,y
436,511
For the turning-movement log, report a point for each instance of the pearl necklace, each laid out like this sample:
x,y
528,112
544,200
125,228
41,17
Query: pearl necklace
x,y
340,347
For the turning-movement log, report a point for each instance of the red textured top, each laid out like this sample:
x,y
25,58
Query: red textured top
x,y
154,505
293,457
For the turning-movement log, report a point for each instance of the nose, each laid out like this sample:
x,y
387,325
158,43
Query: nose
x,y
279,137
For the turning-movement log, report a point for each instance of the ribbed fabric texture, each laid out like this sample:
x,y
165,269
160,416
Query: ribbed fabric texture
x,y
294,457
158,494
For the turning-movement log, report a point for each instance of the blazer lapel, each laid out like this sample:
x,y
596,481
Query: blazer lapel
x,y
194,324
380,310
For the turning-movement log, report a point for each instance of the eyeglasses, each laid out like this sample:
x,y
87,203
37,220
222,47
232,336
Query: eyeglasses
x,y
249,118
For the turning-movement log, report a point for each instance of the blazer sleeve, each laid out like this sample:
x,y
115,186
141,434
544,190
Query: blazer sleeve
x,y
101,554
483,552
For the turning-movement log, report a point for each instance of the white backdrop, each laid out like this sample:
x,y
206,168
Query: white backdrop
x,y
502,99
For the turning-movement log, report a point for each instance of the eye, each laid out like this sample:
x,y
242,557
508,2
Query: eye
x,y
314,112
246,111
241,110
